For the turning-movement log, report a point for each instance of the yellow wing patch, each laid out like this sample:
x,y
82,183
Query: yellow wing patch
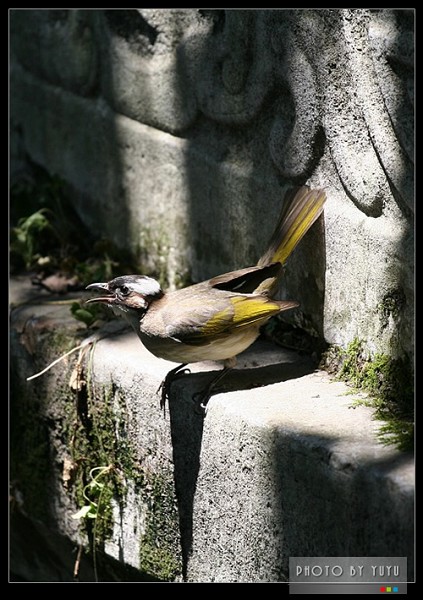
x,y
218,322
251,310
243,311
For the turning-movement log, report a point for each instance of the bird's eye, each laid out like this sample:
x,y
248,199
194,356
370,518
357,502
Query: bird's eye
x,y
124,290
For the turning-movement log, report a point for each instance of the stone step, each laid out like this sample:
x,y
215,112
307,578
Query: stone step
x,y
280,464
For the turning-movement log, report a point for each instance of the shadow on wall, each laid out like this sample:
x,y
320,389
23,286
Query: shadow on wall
x,y
350,507
66,127
186,424
394,65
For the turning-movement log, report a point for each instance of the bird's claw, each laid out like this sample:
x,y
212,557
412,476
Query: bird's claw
x,y
165,385
201,400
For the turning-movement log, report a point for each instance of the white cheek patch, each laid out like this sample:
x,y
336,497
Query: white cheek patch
x,y
146,286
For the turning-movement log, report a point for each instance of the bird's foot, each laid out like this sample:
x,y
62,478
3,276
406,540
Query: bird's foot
x,y
201,398
165,385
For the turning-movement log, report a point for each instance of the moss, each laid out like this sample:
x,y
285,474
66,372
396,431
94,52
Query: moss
x,y
389,383
93,442
158,555
391,306
100,439
34,440
157,245
158,562
63,436
60,341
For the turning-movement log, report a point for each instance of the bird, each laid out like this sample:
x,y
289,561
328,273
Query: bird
x,y
219,318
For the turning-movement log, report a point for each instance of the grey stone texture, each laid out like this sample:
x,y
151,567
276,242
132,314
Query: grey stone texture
x,y
179,131
280,465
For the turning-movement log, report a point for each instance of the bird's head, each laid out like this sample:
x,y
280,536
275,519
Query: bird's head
x,y
128,293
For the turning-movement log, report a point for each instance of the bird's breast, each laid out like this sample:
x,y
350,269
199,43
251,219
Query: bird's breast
x,y
219,349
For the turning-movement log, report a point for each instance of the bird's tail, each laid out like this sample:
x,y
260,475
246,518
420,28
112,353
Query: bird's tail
x,y
301,209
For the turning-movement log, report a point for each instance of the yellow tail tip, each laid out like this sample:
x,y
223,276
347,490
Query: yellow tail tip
x,y
301,210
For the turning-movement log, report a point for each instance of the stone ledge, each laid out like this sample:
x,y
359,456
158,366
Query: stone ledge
x,y
284,469
300,473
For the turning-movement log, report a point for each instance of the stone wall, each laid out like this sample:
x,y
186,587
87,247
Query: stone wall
x,y
179,131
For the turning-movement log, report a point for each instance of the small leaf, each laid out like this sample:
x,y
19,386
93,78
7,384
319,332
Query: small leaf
x,y
87,511
82,314
95,485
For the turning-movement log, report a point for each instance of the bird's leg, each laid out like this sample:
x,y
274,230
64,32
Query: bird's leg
x,y
164,387
204,396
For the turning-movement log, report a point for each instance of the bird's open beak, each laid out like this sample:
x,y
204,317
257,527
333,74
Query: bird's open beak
x,y
104,287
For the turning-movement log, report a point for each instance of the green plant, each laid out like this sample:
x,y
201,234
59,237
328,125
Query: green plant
x,y
389,384
94,493
25,237
89,314
95,489
48,237
157,552
99,461
100,466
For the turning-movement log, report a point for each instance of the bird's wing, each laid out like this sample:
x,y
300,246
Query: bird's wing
x,y
245,281
200,324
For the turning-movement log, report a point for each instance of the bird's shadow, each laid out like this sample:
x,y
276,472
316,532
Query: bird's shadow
x,y
187,421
